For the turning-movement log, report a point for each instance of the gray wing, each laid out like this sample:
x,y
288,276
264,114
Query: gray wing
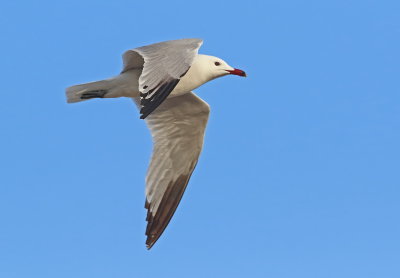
x,y
164,64
177,128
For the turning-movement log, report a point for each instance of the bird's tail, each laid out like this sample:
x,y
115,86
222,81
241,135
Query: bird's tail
x,y
81,92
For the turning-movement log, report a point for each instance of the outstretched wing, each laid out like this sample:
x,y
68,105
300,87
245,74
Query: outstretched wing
x,y
177,128
165,63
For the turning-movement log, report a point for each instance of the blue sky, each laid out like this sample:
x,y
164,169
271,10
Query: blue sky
x,y
299,176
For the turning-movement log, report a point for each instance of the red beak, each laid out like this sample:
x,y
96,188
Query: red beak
x,y
237,72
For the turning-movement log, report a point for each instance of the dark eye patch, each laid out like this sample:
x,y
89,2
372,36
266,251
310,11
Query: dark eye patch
x,y
217,63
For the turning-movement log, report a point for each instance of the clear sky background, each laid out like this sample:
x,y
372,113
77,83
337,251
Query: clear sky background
x,y
299,176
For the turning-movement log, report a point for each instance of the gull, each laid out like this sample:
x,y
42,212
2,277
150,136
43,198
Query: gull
x,y
160,79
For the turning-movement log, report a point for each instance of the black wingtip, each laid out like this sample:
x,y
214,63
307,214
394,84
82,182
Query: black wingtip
x,y
151,104
157,223
149,245
144,114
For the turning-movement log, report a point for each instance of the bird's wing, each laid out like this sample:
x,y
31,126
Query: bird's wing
x,y
177,128
164,64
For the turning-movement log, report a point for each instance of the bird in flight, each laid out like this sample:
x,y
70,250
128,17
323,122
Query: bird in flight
x,y
160,78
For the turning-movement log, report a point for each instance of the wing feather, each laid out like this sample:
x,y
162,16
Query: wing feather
x,y
177,128
164,64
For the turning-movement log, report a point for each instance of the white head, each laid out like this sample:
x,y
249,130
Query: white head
x,y
215,67
204,68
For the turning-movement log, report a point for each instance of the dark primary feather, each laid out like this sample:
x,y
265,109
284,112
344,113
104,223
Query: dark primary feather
x,y
156,224
149,104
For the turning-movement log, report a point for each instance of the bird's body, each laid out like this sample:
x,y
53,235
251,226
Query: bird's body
x,y
160,79
126,84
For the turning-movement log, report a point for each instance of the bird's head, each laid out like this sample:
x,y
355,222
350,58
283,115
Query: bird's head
x,y
217,67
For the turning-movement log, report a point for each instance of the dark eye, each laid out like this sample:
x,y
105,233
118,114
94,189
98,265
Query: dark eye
x,y
217,63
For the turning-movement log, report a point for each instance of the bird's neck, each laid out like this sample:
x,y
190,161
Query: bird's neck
x,y
198,74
